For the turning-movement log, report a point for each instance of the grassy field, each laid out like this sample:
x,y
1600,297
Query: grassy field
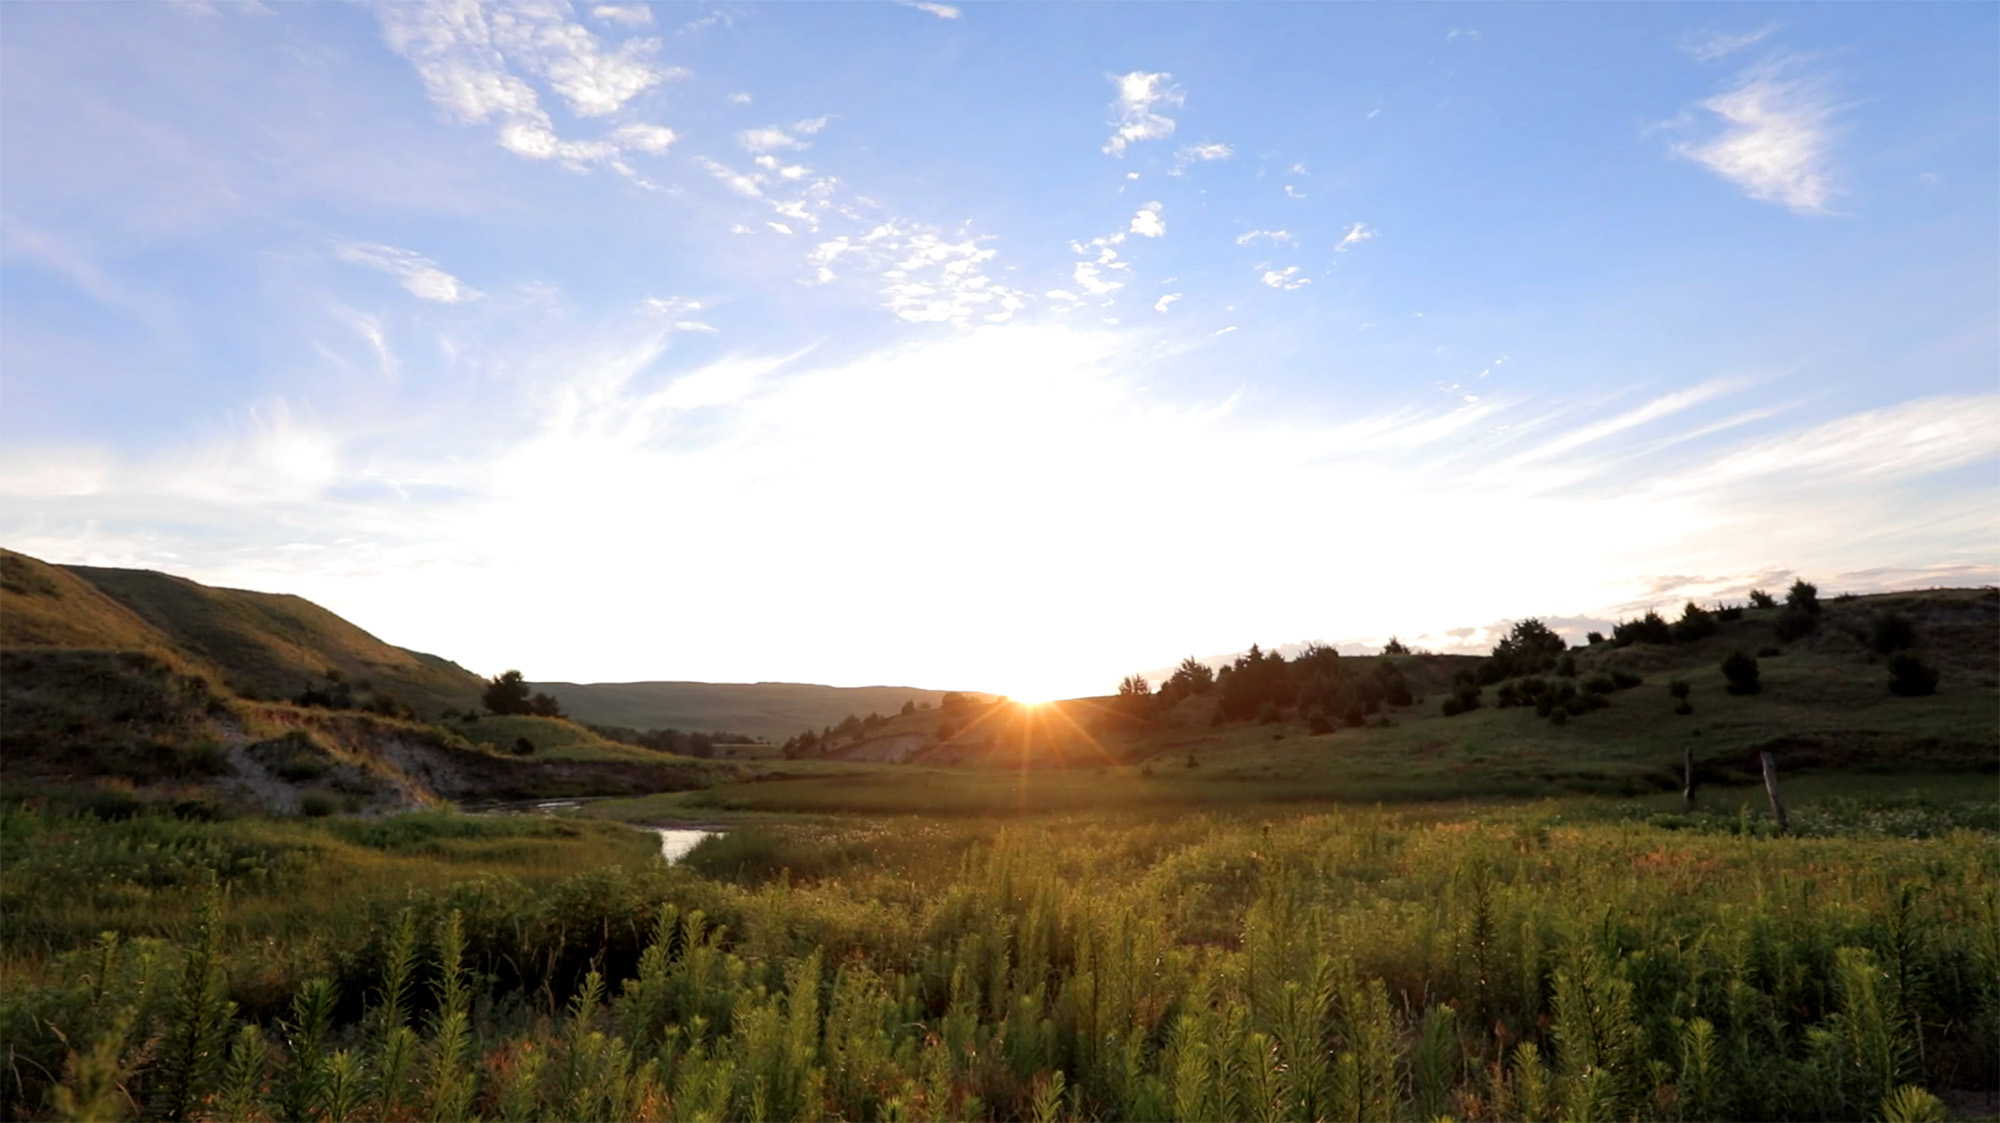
x,y
771,710
1573,959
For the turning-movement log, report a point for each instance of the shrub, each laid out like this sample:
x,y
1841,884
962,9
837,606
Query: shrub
x,y
523,746
1769,652
1559,717
1356,715
1599,684
1909,677
1451,707
1268,714
1509,696
507,694
1680,688
1649,628
1729,612
1684,708
1761,599
1741,671
1397,691
1804,596
1625,680
1695,623
1893,632
1594,638
1318,724
317,805
1795,622
1566,666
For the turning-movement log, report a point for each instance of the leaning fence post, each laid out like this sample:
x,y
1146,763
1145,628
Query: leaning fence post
x,y
1687,777
1771,789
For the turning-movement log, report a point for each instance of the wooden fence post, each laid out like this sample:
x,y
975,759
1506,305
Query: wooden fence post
x,y
1687,778
1771,789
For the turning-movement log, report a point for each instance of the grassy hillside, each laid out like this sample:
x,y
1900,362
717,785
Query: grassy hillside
x,y
259,645
770,710
1824,705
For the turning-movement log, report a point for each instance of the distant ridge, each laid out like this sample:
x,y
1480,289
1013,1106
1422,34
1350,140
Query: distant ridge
x,y
769,710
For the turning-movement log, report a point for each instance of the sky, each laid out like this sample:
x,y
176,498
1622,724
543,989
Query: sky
x,y
1003,347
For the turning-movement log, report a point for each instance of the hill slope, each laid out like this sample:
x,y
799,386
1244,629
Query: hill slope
x,y
770,710
260,645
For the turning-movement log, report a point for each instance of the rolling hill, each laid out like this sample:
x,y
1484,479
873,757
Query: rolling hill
x,y
259,645
772,711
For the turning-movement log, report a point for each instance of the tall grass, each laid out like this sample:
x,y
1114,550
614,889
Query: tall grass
x,y
1349,965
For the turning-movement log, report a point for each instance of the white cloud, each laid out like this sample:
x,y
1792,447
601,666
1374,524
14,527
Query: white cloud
x,y
412,528
1293,192
739,98
643,138
927,277
1356,234
768,139
628,15
1090,277
467,55
743,184
1191,154
1776,138
1287,278
419,274
1166,302
941,11
1148,223
1713,45
1272,236
1139,96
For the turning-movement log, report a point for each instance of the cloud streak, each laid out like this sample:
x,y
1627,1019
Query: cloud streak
x,y
1140,98
417,273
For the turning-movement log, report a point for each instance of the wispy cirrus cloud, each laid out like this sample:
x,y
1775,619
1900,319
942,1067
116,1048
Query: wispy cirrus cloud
x,y
1192,154
417,273
941,11
1140,98
1710,46
1776,136
1356,234
1273,236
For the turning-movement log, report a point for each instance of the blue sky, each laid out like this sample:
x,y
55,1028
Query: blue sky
x,y
1010,347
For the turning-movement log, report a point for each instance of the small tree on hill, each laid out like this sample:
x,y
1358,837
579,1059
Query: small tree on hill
x,y
909,707
544,705
507,694
1529,647
1395,647
1134,686
1893,632
1741,671
1680,689
1761,599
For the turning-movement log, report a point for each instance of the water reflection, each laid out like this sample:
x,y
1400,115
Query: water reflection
x,y
675,844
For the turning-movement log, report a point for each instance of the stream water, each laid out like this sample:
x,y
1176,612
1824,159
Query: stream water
x,y
675,843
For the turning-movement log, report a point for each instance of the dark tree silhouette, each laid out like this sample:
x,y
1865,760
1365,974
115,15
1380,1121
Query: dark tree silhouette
x,y
507,694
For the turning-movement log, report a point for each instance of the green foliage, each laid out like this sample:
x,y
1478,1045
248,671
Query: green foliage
x,y
1761,599
1696,623
1353,964
1795,623
1650,628
1740,671
507,694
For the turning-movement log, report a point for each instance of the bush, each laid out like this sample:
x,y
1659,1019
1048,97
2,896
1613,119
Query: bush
x,y
1761,599
1680,689
1451,707
1269,713
1625,680
317,805
1356,716
1909,677
1559,717
1318,724
523,746
1649,628
1893,632
1741,671
1566,666
1509,696
1769,652
1594,638
1794,623
1695,623
1599,684
1683,709
1804,596
1729,612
